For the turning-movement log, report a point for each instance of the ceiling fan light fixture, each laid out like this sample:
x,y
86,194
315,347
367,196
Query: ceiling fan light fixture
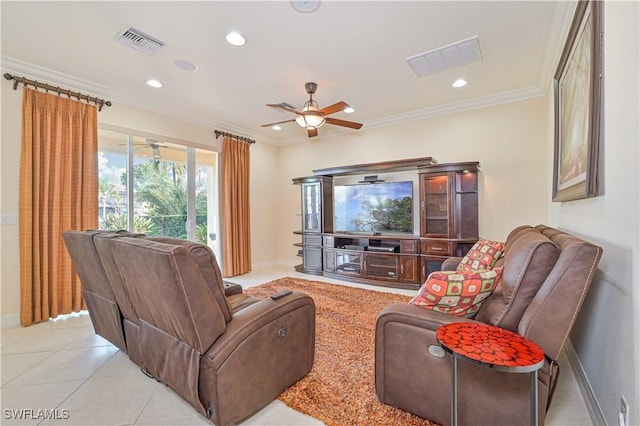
x,y
156,152
311,116
310,121
276,127
349,109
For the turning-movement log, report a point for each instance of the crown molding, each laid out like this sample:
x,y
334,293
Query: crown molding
x,y
455,107
37,72
557,31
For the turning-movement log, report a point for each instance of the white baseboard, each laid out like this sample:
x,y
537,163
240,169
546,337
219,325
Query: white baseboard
x,y
11,320
262,265
595,412
288,262
277,262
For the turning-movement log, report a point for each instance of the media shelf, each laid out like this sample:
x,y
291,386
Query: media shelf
x,y
376,259
448,200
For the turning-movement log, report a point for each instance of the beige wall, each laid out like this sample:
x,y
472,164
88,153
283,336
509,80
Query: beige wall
x,y
9,256
509,141
607,333
263,164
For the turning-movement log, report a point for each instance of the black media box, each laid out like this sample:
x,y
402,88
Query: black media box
x,y
385,248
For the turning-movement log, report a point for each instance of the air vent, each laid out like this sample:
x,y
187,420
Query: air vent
x,y
451,56
140,41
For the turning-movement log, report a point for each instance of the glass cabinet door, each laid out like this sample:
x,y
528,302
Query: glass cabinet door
x,y
311,204
348,263
380,266
436,209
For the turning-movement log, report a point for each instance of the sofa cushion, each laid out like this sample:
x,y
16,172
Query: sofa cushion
x,y
206,261
457,293
529,257
482,256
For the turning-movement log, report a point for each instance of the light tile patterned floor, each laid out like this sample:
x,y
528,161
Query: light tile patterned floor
x,y
63,367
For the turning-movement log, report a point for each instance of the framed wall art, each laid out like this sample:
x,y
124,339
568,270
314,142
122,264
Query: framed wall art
x,y
578,106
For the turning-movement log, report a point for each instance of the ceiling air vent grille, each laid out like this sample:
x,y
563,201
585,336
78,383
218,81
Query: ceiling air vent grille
x,y
140,41
446,57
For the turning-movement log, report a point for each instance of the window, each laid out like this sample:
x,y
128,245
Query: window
x,y
173,193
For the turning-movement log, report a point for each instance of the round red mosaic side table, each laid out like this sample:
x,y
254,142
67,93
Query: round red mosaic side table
x,y
492,347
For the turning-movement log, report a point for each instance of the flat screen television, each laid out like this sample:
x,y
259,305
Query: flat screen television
x,y
374,207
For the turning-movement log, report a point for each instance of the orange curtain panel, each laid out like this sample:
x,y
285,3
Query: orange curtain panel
x,y
236,226
58,191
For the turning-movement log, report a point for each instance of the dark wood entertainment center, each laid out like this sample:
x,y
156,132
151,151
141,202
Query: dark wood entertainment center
x,y
448,226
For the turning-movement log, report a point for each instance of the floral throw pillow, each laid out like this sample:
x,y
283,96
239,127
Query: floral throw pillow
x,y
482,256
457,293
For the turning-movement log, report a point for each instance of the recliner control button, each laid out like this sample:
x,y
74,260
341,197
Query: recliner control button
x,y
436,351
282,332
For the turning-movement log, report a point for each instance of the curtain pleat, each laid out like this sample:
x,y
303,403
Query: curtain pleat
x,y
58,192
236,225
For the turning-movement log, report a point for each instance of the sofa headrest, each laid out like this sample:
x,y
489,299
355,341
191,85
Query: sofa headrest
x,y
87,263
102,241
528,259
206,261
552,313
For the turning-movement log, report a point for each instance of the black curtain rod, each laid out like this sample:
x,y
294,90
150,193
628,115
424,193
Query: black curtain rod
x,y
60,91
231,135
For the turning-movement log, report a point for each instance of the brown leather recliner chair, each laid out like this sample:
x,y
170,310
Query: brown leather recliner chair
x,y
103,308
546,275
130,321
108,303
226,361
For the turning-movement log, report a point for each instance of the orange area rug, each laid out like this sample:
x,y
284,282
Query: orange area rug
x,y
340,389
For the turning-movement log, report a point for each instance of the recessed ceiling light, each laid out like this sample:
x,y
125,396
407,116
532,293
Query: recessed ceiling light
x,y
305,6
154,83
276,127
459,83
235,39
185,65
349,109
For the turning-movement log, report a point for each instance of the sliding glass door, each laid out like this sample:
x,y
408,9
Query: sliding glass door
x,y
173,192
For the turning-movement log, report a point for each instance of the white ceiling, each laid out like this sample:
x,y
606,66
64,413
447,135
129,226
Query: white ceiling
x,y
354,50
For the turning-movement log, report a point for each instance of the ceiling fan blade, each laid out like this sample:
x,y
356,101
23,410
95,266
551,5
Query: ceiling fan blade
x,y
312,131
343,123
338,106
278,122
284,107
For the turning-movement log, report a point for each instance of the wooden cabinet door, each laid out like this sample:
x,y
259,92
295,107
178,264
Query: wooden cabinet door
x,y
312,259
435,210
430,264
465,205
329,260
409,269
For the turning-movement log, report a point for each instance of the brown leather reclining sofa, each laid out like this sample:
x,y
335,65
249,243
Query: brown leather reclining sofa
x,y
546,275
163,302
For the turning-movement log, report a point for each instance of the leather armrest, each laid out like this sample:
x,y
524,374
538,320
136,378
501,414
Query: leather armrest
x,y
231,289
251,318
416,316
450,264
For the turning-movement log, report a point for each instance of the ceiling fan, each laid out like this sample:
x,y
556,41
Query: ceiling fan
x,y
154,145
311,117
